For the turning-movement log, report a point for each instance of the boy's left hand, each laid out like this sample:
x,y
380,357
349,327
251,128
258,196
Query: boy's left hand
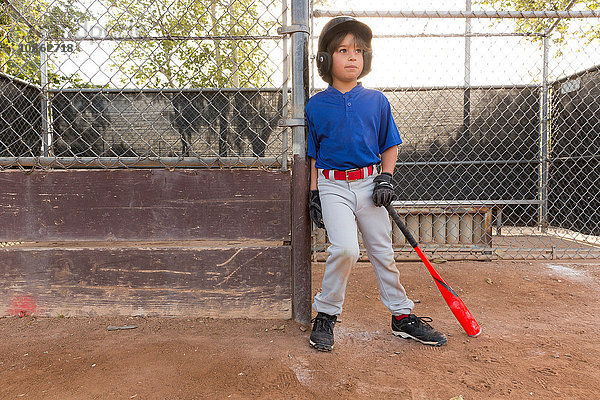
x,y
383,193
314,208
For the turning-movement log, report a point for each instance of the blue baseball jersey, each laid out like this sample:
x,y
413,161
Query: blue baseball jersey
x,y
349,130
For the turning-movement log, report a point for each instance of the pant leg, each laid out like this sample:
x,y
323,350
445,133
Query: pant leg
x,y
338,205
376,229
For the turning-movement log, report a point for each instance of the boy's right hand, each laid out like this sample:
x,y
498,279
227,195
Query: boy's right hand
x,y
314,208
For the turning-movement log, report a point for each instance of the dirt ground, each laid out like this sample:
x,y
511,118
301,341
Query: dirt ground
x,y
539,322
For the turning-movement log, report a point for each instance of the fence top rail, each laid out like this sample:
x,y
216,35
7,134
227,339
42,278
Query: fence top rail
x,y
166,90
141,162
456,35
272,90
549,14
162,38
463,203
453,87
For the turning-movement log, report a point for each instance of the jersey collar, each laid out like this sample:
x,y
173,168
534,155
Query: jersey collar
x,y
334,92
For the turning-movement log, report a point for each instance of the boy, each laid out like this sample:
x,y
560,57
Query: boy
x,y
351,129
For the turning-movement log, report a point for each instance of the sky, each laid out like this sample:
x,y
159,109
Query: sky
x,y
405,62
431,61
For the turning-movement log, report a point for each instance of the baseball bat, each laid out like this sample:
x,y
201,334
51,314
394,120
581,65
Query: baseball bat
x,y
458,308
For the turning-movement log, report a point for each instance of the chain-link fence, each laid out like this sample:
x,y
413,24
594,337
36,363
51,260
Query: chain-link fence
x,y
114,83
574,171
498,111
497,107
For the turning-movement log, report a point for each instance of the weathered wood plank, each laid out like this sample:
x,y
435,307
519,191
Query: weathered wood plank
x,y
222,281
144,205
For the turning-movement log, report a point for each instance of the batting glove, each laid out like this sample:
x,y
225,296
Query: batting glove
x,y
314,208
383,193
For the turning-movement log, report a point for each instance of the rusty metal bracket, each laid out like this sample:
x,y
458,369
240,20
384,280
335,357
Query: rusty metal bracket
x,y
290,29
291,122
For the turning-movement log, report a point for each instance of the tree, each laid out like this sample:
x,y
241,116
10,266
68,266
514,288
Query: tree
x,y
22,26
167,42
542,25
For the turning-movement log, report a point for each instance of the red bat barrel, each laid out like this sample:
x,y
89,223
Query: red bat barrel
x,y
458,308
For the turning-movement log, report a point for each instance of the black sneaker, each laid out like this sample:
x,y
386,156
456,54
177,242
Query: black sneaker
x,y
321,337
417,328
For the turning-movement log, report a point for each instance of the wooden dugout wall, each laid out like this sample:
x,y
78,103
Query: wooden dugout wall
x,y
146,242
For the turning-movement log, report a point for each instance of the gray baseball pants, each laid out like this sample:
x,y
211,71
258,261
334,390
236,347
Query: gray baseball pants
x,y
346,206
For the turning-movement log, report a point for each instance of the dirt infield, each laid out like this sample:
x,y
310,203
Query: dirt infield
x,y
539,322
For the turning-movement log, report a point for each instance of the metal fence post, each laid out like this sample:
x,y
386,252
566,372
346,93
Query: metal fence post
x,y
467,90
301,273
543,190
285,86
46,136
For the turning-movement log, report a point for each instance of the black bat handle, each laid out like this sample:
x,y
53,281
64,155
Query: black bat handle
x,y
403,228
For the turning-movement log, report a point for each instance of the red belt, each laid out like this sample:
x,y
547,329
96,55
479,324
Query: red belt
x,y
350,174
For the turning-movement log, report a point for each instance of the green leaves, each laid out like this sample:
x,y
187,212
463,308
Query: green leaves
x,y
21,28
531,25
192,45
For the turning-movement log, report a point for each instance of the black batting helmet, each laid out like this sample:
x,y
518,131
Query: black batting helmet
x,y
334,26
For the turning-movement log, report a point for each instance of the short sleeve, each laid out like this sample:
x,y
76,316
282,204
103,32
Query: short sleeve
x,y
388,131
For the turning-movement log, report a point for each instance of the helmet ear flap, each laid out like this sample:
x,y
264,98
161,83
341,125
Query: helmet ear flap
x,y
324,61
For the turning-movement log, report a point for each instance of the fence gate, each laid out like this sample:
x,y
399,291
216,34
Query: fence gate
x,y
498,111
145,158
